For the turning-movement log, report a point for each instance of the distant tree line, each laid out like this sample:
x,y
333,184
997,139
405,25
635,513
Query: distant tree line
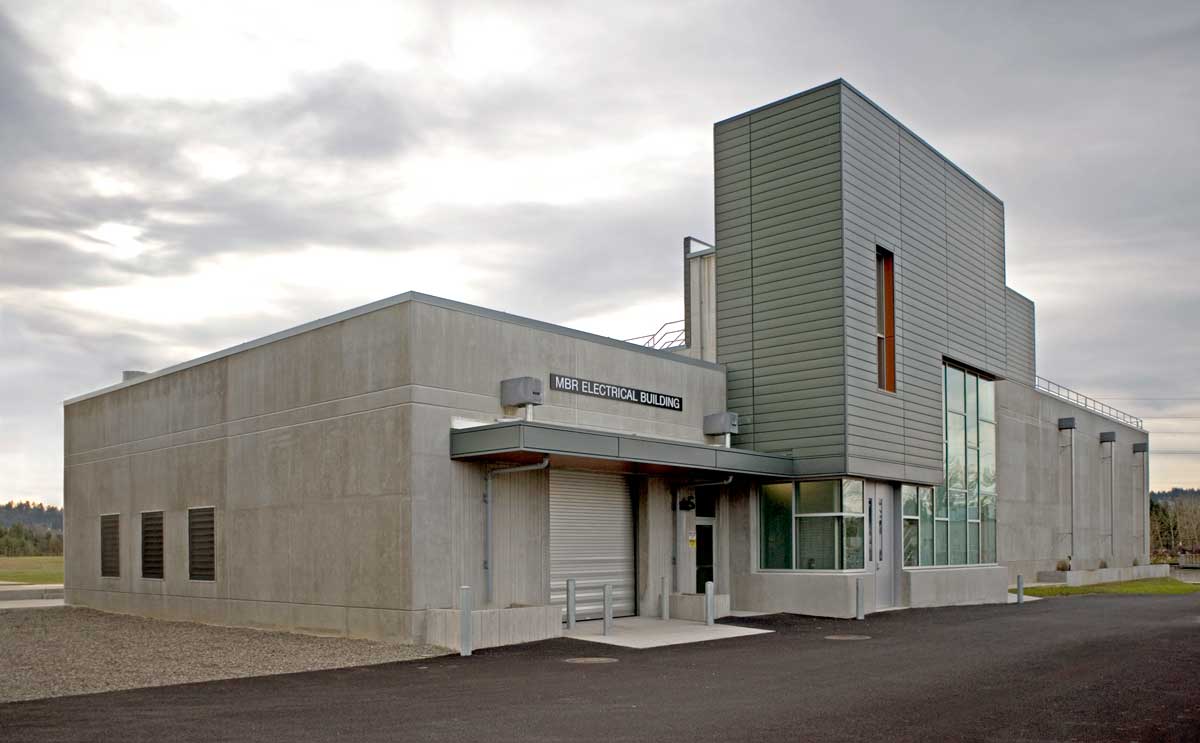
x,y
19,540
27,513
1174,522
30,529
1175,494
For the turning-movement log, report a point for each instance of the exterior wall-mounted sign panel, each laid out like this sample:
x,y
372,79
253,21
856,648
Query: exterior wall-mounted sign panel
x,y
574,385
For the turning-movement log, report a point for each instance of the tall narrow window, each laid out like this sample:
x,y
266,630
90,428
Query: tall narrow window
x,y
152,544
885,319
202,544
110,545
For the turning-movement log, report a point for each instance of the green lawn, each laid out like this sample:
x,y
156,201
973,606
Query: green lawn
x,y
31,569
1137,587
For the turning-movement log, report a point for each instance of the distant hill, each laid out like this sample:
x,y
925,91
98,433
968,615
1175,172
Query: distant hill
x,y
1176,494
31,514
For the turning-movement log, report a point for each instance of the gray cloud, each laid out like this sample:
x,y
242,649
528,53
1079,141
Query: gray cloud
x,y
1081,116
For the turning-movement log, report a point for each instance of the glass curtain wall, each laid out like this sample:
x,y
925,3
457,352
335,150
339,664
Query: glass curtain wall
x,y
955,524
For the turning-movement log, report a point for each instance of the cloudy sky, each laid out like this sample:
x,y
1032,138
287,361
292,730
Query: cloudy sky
x,y
179,177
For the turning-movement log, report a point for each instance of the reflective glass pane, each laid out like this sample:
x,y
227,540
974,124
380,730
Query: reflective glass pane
x,y
987,457
957,543
852,496
912,540
972,413
775,526
940,547
987,552
817,540
972,542
956,447
954,390
987,506
908,499
926,525
958,505
987,400
972,505
940,500
819,497
853,541
972,469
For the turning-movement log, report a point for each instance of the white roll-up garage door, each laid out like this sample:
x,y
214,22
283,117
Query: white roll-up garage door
x,y
591,540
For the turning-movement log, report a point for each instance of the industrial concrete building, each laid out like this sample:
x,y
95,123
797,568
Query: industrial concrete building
x,y
852,395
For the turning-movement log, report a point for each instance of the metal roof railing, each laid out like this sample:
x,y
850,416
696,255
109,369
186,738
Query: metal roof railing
x,y
671,335
1087,403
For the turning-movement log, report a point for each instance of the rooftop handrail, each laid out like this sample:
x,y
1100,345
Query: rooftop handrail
x,y
669,335
1087,403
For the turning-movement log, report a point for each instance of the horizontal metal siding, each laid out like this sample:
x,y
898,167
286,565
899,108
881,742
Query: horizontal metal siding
x,y
592,541
1022,338
872,196
735,306
947,234
779,274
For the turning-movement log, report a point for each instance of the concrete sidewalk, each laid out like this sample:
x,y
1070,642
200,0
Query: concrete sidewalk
x,y
647,632
27,592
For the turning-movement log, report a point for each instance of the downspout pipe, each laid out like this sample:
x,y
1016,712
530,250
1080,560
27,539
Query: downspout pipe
x,y
487,502
726,481
1068,424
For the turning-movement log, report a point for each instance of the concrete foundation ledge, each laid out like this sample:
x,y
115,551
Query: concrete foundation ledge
x,y
1103,575
494,627
955,586
690,606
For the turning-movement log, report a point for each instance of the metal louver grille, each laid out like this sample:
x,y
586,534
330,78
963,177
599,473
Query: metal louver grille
x,y
202,550
592,541
110,546
152,544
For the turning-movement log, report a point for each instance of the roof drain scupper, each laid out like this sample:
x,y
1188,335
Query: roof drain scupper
x,y
487,501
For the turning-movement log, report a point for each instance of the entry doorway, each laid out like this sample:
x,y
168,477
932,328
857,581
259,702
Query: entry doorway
x,y
881,506
706,539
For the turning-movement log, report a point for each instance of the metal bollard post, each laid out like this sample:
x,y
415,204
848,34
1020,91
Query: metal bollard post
x,y
464,626
608,610
570,603
1020,589
858,598
710,603
664,599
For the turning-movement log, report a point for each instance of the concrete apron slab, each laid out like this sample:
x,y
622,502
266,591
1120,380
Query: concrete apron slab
x,y
641,633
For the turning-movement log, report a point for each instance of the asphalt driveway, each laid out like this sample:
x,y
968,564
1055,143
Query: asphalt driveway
x,y
1082,668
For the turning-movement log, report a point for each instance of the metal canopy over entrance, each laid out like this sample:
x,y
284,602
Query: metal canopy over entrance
x,y
592,541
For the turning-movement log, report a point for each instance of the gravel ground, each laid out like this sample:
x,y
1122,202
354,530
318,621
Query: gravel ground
x,y
59,652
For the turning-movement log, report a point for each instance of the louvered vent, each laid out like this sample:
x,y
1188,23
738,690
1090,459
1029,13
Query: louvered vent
x,y
202,544
152,544
110,545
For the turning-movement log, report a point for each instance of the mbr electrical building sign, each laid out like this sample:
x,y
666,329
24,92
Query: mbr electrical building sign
x,y
608,391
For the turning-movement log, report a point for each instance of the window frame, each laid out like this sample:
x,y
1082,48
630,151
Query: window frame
x,y
885,319
971,408
794,524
